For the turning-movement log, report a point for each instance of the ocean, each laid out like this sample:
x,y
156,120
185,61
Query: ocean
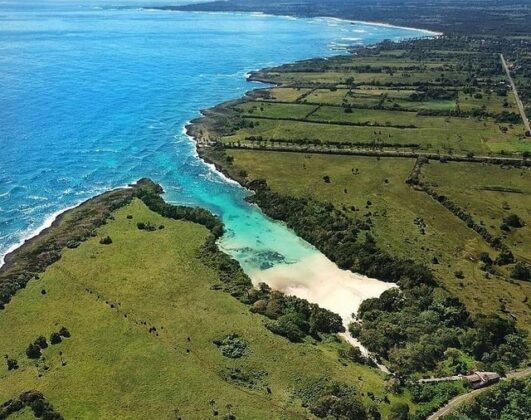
x,y
95,95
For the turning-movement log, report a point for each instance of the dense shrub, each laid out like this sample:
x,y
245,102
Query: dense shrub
x,y
55,338
508,400
289,327
232,346
413,328
514,221
33,351
11,364
505,257
330,399
293,317
354,354
64,332
399,411
146,226
106,240
39,405
249,378
41,342
521,271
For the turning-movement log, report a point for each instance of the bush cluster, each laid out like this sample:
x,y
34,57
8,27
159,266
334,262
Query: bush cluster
x,y
330,399
41,408
232,346
33,351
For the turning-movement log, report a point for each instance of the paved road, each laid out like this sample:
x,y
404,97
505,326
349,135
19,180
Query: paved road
x,y
457,401
517,98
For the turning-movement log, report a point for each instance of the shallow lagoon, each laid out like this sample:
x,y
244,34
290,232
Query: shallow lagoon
x,y
94,97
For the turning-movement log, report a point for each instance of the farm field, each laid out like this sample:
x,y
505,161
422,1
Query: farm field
x,y
142,315
430,99
490,193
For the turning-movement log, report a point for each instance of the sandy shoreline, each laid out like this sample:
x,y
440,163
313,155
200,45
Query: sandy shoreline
x,y
319,280
52,220
331,18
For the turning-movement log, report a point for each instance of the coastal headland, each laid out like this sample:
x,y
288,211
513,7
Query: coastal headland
x,y
405,164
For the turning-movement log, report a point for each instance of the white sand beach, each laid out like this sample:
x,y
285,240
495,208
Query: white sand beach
x,y
320,281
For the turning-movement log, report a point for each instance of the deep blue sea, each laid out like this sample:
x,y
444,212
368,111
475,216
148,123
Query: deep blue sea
x,y
94,95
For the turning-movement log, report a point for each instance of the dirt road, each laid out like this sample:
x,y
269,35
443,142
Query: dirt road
x,y
457,401
516,97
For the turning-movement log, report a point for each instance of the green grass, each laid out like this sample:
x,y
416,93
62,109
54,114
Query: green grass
x,y
287,94
273,110
394,209
438,134
108,296
381,85
335,97
339,77
490,101
480,190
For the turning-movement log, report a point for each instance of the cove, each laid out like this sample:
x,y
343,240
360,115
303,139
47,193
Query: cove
x,y
94,97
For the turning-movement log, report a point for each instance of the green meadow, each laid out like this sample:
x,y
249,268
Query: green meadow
x,y
143,313
490,193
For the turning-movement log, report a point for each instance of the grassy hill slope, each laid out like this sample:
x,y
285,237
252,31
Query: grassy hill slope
x,y
143,314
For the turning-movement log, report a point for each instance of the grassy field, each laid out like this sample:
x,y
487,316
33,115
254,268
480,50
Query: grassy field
x,y
435,98
405,221
490,193
110,297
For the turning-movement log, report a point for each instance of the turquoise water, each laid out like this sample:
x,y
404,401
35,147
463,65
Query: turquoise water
x,y
95,97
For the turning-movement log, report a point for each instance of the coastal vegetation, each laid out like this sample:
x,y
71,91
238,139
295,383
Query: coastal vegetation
x,y
406,162
153,332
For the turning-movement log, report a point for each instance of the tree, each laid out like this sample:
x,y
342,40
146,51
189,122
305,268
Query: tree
x,y
286,327
64,332
485,257
33,351
399,411
12,364
339,407
41,342
521,271
55,338
505,257
106,240
513,220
